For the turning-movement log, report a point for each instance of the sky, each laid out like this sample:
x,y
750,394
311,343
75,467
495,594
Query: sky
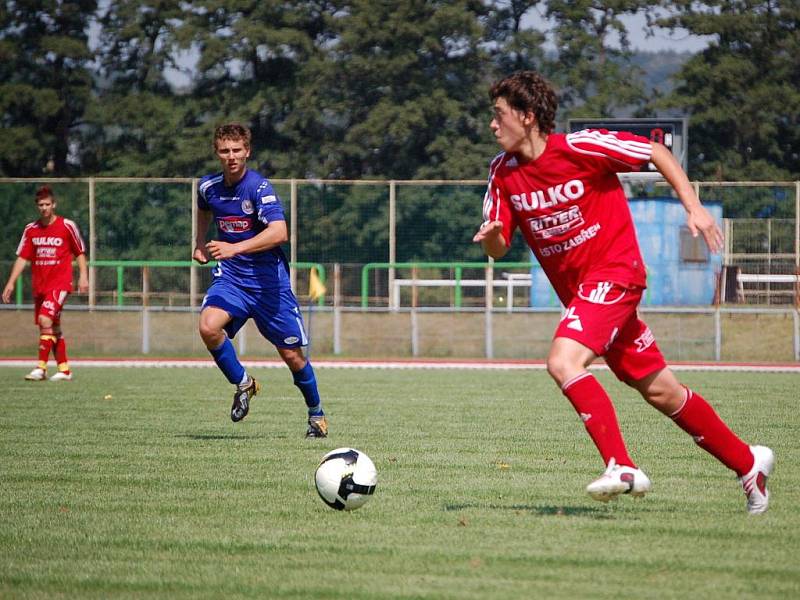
x,y
678,40
662,39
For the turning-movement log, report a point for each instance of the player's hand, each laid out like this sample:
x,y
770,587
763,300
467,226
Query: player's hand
x,y
200,255
700,221
221,250
7,293
83,285
490,229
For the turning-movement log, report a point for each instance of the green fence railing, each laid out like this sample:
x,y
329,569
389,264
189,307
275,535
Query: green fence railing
x,y
121,265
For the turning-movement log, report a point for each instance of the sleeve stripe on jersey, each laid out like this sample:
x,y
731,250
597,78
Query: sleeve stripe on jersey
x,y
608,142
76,234
487,197
609,138
28,227
207,184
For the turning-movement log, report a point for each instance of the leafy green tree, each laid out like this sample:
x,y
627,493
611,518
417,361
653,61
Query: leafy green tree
x,y
512,45
45,84
743,90
252,56
401,93
595,77
138,124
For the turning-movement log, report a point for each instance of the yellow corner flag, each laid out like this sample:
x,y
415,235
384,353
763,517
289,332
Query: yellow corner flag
x,y
316,289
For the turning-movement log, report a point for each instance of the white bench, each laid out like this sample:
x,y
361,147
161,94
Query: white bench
x,y
779,278
512,281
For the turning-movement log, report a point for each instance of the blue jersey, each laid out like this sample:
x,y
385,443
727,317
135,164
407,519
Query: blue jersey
x,y
242,212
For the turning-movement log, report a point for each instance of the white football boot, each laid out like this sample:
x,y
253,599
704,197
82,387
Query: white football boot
x,y
61,376
617,480
754,482
36,375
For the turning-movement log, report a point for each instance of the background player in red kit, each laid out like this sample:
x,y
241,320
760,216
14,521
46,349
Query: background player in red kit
x,y
562,192
49,244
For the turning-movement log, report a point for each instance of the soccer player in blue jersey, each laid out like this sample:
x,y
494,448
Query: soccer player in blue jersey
x,y
251,279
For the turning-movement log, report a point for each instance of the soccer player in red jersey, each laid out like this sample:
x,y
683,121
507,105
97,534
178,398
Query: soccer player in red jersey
x,y
49,245
563,193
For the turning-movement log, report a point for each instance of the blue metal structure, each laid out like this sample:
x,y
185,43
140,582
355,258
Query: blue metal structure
x,y
674,278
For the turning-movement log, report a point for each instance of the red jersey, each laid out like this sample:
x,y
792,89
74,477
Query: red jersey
x,y
571,208
50,248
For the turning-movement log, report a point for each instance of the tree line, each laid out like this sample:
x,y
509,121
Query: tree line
x,y
374,88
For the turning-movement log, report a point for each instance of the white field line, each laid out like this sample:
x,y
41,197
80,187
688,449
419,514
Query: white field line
x,y
403,364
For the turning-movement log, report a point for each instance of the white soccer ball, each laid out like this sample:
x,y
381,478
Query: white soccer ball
x,y
345,478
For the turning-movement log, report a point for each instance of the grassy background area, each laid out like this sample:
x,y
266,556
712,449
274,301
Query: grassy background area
x,y
153,492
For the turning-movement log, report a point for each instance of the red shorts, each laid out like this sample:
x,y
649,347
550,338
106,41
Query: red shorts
x,y
602,317
49,304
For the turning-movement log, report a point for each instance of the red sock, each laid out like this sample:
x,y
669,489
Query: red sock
x,y
60,352
698,419
599,417
46,342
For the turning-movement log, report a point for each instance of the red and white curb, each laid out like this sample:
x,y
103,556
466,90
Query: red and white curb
x,y
399,364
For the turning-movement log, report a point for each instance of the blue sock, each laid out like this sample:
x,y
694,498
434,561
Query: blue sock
x,y
305,380
228,362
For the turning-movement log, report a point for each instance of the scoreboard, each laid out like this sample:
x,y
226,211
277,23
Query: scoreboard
x,y
672,132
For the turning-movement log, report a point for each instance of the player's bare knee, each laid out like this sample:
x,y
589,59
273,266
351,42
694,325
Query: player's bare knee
x,y
293,357
212,335
46,323
662,391
666,399
559,367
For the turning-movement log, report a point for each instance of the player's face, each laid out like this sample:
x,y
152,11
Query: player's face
x,y
47,207
510,126
233,155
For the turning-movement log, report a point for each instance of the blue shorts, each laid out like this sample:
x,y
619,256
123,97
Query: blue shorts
x,y
275,312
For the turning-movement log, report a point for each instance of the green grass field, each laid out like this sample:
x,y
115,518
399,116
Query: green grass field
x,y
153,492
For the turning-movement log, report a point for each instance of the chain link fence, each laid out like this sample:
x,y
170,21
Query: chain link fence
x,y
383,247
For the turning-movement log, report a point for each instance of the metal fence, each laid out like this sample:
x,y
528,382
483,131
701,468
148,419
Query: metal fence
x,y
355,223
399,252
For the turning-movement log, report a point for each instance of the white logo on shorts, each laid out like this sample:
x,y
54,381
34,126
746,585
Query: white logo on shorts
x,y
574,320
292,339
644,341
598,293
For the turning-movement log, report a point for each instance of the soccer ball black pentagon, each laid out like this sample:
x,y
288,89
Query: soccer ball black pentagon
x,y
345,478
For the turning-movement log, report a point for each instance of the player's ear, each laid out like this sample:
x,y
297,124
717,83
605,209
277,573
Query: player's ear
x,y
529,120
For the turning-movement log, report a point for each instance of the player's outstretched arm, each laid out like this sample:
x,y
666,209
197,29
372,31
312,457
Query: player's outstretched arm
x,y
698,219
490,237
16,271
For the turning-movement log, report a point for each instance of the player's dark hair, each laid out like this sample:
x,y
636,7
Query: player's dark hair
x,y
232,131
527,91
44,192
